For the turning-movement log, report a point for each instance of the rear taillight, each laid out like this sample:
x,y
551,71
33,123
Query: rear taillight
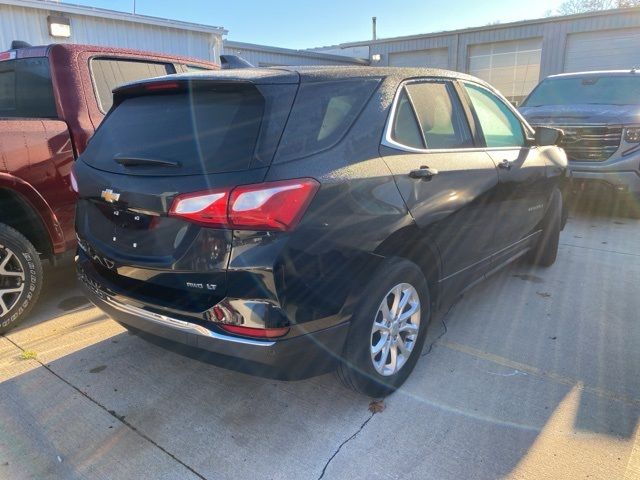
x,y
154,87
206,208
263,206
256,332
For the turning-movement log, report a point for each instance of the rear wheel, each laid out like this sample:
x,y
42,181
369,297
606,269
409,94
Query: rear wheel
x,y
20,277
545,251
388,330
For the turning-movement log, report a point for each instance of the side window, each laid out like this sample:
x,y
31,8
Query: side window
x,y
109,73
322,114
442,119
406,130
501,128
26,90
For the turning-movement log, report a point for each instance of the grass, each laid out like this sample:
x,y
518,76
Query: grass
x,y
28,355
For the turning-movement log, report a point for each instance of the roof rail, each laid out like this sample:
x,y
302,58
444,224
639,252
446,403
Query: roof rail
x,y
17,44
233,61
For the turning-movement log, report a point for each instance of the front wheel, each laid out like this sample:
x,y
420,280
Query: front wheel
x,y
388,330
20,277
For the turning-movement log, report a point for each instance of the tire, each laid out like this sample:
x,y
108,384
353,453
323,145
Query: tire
x,y
357,369
20,277
545,251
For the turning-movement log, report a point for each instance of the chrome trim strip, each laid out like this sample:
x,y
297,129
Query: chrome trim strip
x,y
181,325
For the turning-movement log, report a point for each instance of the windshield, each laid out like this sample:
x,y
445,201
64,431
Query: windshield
x,y
605,90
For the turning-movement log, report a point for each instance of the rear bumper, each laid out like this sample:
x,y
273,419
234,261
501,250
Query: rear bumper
x,y
294,358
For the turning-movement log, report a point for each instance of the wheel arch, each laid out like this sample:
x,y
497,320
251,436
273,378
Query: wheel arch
x,y
413,244
18,213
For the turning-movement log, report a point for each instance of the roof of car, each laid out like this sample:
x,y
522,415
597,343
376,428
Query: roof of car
x,y
293,74
598,73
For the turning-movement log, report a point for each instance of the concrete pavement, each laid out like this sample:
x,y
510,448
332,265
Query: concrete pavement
x,y
533,374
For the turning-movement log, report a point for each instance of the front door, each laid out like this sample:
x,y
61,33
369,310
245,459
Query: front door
x,y
447,182
523,189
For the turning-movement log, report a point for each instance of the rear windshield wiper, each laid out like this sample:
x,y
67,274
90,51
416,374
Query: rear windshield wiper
x,y
127,161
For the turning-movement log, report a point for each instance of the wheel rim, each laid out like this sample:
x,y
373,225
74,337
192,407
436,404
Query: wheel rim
x,y
11,280
395,329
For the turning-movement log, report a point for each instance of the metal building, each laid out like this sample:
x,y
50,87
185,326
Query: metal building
x,y
264,56
41,22
515,56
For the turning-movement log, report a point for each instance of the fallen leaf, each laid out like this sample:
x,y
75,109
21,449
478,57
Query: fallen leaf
x,y
377,406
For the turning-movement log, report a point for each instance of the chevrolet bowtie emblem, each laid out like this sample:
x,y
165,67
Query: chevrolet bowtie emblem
x,y
110,196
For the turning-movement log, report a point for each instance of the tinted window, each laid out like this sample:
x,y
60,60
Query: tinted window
x,y
109,73
406,130
440,114
26,90
194,68
500,126
322,114
618,90
205,131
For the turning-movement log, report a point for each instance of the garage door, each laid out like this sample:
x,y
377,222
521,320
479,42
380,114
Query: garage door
x,y
609,49
512,67
434,58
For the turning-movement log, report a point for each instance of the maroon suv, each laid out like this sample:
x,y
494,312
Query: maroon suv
x,y
52,98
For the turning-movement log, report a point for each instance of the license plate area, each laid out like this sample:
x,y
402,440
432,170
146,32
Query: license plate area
x,y
136,233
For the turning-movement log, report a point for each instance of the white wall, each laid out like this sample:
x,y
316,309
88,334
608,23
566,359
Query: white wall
x,y
30,25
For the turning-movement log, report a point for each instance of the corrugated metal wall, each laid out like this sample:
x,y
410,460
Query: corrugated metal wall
x,y
553,31
30,25
263,56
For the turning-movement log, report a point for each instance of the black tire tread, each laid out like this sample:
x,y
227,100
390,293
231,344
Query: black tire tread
x,y
15,236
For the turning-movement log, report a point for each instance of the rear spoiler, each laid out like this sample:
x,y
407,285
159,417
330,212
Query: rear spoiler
x,y
233,61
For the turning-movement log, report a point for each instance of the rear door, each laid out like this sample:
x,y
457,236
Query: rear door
x,y
446,181
524,189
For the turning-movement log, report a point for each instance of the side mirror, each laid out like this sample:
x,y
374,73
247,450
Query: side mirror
x,y
546,136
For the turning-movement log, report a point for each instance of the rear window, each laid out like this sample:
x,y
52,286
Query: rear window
x,y
26,90
322,114
109,73
204,131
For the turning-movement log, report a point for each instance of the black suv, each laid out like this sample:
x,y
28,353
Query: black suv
x,y
293,220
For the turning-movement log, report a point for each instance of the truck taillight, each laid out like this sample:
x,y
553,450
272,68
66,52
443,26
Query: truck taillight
x,y
263,206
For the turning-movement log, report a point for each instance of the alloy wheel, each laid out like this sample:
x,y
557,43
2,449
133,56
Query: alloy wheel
x,y
395,329
12,279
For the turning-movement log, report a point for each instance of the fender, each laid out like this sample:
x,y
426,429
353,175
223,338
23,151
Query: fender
x,y
39,206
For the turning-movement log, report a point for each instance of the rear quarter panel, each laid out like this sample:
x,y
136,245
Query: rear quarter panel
x,y
328,259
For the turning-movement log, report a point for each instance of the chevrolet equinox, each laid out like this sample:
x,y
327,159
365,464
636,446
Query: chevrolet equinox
x,y
288,221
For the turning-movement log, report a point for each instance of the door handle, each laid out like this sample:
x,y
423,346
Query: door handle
x,y
423,173
505,164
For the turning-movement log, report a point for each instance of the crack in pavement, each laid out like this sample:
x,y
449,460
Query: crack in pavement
x,y
112,413
444,324
324,469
